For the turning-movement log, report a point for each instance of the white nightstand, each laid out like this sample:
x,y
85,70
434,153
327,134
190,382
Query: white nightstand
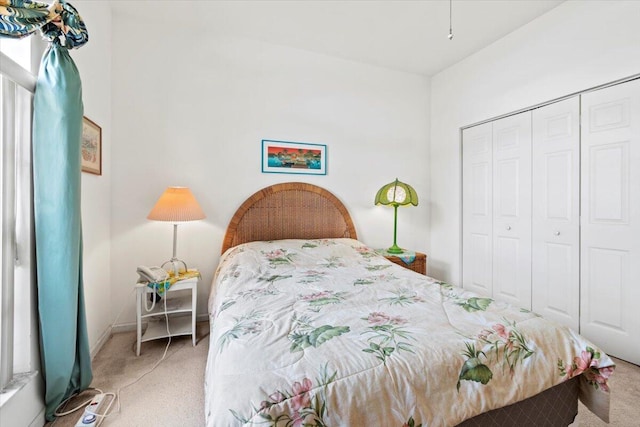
x,y
179,306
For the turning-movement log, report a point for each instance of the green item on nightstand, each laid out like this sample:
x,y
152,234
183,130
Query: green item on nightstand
x,y
406,256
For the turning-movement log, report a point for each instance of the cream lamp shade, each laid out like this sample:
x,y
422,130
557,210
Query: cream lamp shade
x,y
396,194
176,204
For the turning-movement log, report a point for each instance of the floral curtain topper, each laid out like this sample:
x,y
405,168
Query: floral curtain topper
x,y
59,22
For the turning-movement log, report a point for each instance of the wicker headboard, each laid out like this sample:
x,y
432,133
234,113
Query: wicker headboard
x,y
293,210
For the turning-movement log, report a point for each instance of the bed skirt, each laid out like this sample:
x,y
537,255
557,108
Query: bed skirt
x,y
557,406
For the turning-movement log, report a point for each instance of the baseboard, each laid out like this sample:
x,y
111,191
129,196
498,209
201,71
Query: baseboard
x,y
128,327
101,341
123,327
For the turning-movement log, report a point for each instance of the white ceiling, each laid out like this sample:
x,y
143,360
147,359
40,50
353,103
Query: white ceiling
x,y
403,35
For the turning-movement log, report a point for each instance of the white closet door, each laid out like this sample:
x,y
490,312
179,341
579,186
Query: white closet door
x,y
512,209
477,209
555,242
610,267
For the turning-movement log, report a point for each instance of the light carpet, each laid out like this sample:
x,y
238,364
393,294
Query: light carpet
x,y
172,395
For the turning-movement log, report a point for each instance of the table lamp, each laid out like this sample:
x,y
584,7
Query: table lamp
x,y
396,194
176,204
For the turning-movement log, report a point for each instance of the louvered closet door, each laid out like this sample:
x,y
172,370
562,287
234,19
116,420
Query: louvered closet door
x,y
477,209
555,212
512,209
610,267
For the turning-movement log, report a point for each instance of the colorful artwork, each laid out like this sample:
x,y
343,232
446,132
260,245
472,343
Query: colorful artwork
x,y
293,157
91,148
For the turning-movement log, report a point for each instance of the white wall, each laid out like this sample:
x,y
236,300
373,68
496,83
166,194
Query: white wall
x,y
94,63
576,46
191,109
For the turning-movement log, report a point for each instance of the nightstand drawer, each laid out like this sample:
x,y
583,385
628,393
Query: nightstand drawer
x,y
418,265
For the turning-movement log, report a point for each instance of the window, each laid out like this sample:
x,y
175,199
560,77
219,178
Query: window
x,y
15,212
19,349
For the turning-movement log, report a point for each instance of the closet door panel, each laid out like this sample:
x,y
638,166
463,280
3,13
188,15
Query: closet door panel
x,y
506,261
512,209
477,209
555,212
610,267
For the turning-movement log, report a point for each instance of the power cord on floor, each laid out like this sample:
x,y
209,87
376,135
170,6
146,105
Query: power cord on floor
x,y
63,404
85,403
116,396
80,406
164,355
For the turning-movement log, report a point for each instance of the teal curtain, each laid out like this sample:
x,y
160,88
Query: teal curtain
x,y
57,132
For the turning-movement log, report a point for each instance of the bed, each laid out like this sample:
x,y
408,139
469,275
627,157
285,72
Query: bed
x,y
311,327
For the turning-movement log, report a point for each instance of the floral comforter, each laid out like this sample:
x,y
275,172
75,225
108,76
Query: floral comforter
x,y
327,333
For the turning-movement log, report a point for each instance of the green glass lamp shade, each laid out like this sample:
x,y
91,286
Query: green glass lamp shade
x,y
396,194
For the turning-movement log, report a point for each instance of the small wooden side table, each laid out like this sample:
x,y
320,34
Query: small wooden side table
x,y
419,264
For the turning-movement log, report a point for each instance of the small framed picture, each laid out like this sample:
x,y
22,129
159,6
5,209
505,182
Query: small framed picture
x,y
91,148
293,157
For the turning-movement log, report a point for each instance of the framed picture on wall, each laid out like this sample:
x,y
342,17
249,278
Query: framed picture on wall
x,y
293,157
91,147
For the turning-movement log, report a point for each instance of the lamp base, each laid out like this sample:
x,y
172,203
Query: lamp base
x,y
175,262
395,249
